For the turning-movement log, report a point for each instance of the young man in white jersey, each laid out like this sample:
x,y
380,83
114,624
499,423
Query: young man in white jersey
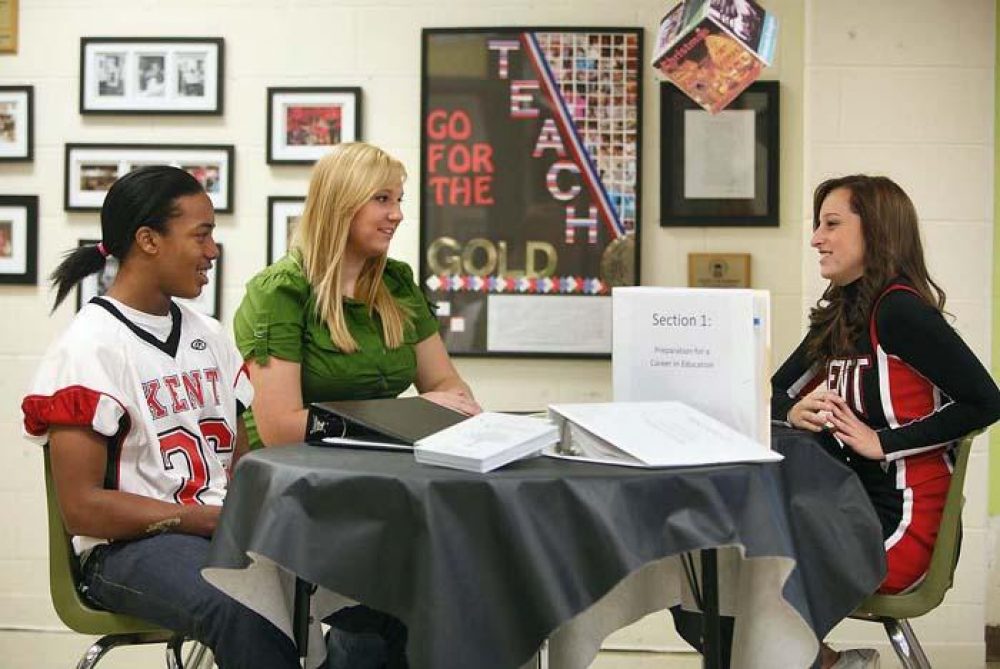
x,y
140,403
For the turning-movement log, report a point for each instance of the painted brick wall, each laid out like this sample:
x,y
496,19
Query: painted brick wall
x,y
905,89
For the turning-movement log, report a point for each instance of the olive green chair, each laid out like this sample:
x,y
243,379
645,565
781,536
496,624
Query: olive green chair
x,y
895,611
113,628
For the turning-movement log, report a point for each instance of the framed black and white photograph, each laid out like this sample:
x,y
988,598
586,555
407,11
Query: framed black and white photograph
x,y
17,132
530,185
283,214
303,123
90,169
720,169
98,283
18,239
151,75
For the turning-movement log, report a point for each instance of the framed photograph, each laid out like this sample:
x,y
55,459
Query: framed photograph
x,y
530,185
98,283
19,239
90,169
720,169
151,75
303,123
17,123
283,215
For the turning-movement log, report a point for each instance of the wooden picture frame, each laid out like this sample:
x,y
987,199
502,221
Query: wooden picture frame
x,y
17,124
152,75
304,123
90,169
19,239
720,169
98,283
283,212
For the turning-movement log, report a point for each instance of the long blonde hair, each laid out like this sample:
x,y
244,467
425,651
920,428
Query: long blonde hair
x,y
342,182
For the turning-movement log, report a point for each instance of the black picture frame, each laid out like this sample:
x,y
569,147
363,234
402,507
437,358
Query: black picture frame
x,y
527,269
17,124
152,75
759,173
341,103
90,169
19,240
281,209
96,284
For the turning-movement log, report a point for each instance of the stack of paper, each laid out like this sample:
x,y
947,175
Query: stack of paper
x,y
486,441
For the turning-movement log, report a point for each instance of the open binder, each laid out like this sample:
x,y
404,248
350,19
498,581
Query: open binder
x,y
394,423
650,434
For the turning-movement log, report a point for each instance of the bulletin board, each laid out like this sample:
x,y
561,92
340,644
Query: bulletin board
x,y
530,185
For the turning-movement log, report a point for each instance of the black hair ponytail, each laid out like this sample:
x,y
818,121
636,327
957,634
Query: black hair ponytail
x,y
76,264
144,197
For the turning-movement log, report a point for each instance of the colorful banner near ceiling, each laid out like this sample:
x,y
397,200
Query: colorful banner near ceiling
x,y
530,185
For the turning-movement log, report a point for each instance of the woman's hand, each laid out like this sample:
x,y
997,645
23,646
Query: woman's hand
x,y
454,399
851,430
813,411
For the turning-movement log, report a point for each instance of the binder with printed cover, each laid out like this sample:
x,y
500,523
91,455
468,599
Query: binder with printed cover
x,y
394,423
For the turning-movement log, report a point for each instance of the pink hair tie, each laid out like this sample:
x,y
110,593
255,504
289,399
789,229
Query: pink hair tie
x,y
103,251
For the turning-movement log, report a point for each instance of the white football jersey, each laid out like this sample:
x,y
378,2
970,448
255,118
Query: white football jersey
x,y
165,390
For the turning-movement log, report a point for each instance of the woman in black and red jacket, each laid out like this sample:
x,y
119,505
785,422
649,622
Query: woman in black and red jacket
x,y
881,370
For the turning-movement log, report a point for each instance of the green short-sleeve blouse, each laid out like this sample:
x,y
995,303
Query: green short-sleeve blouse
x,y
277,318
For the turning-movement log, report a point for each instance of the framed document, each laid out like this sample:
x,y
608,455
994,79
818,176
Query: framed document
x,y
529,184
720,169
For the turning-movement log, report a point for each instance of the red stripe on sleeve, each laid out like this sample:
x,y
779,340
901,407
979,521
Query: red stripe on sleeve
x,y
73,405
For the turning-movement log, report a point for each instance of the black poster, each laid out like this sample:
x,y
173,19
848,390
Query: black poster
x,y
530,185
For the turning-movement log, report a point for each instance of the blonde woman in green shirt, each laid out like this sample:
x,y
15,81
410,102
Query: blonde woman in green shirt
x,y
336,318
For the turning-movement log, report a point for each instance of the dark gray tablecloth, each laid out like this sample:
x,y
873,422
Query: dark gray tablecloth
x,y
483,568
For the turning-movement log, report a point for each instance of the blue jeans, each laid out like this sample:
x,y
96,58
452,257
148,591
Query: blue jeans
x,y
158,579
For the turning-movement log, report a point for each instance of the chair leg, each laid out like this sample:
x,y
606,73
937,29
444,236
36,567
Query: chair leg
x,y
906,645
100,647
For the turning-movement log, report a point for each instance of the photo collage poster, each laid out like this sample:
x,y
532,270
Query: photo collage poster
x,y
529,185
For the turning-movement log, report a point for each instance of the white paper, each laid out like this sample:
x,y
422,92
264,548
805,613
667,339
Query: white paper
x,y
719,154
548,324
665,433
366,443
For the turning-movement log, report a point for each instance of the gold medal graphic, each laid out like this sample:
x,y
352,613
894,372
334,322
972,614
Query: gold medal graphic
x,y
618,262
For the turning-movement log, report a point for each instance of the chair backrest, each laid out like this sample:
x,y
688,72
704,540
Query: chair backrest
x,y
940,574
64,577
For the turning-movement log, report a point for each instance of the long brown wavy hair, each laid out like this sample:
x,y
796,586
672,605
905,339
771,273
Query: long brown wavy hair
x,y
893,250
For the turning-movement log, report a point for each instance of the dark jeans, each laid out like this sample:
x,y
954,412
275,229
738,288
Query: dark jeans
x,y
158,579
